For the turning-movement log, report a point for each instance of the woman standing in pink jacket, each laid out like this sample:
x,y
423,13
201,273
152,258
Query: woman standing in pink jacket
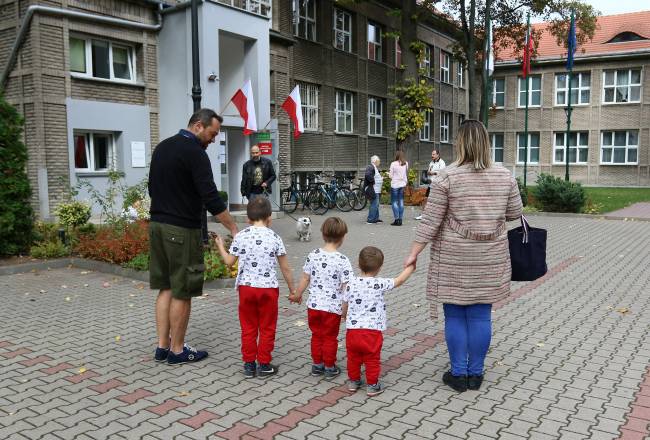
x,y
398,174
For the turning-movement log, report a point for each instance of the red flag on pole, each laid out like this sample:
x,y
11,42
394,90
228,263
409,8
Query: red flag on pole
x,y
243,100
293,106
528,50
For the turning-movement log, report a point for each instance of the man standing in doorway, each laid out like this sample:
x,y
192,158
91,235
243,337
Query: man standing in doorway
x,y
180,184
436,164
257,175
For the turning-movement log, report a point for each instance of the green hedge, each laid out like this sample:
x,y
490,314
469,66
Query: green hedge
x,y
554,194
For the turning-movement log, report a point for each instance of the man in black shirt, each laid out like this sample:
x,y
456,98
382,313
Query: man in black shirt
x,y
180,184
257,175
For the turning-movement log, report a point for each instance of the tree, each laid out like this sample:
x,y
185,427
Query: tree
x,y
16,212
508,19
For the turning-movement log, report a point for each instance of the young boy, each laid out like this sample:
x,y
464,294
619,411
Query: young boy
x,y
326,272
366,318
257,247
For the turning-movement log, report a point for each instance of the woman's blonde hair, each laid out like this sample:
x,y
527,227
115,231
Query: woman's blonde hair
x,y
473,145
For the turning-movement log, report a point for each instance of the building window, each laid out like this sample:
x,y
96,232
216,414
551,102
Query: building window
x,y
533,148
499,92
580,88
445,117
425,65
344,112
497,147
342,30
460,71
578,147
425,131
102,59
309,104
304,19
93,152
375,116
398,54
622,85
374,42
619,147
534,91
445,61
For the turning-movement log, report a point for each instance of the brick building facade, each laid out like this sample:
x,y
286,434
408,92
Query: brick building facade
x,y
610,127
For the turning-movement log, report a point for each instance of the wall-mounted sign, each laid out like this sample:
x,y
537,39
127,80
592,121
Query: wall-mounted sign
x,y
265,147
138,155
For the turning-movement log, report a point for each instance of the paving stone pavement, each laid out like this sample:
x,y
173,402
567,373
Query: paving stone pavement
x,y
638,210
570,355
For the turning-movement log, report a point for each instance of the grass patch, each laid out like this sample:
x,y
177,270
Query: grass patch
x,y
602,199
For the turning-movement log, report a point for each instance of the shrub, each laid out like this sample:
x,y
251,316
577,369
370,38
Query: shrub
x,y
523,192
73,213
49,249
134,193
214,266
16,212
115,243
557,195
139,262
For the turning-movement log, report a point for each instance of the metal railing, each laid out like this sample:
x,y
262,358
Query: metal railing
x,y
259,7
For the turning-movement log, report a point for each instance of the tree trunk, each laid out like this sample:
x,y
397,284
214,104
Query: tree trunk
x,y
408,35
471,61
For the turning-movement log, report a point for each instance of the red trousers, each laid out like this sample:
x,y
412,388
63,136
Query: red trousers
x,y
324,328
258,316
364,347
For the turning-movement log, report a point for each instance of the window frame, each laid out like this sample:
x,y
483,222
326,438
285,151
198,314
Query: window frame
x,y
310,111
445,67
493,147
344,112
563,147
306,19
375,116
529,147
530,91
426,128
629,86
89,136
460,74
377,46
398,54
627,147
345,33
131,60
494,93
444,128
426,60
565,89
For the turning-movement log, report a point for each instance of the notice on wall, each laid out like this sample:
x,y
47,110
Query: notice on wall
x,y
138,155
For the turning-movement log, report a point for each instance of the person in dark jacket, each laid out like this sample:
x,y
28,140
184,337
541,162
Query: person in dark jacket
x,y
257,175
372,183
180,184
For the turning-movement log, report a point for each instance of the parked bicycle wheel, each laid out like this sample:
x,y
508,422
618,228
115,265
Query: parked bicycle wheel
x,y
289,200
343,199
358,200
317,202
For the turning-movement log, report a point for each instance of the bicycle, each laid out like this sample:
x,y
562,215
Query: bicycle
x,y
358,197
322,197
291,196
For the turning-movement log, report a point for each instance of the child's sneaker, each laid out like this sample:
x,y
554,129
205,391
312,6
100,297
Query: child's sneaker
x,y
267,370
354,385
317,370
189,354
331,372
161,354
249,369
375,389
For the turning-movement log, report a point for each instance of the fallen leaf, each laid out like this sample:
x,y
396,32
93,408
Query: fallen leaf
x,y
64,286
117,338
299,323
140,286
183,394
130,304
106,284
67,298
498,363
623,310
540,344
84,272
43,291
85,285
415,305
26,293
131,295
82,370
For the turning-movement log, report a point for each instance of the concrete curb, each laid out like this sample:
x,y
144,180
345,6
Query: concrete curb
x,y
99,266
586,216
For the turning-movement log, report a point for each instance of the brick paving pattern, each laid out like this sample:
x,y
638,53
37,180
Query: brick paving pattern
x,y
637,210
570,355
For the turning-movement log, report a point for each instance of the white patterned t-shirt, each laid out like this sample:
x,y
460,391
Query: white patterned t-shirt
x,y
327,271
366,306
257,248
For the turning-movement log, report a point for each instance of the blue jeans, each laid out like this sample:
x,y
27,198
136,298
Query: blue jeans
x,y
397,202
468,330
373,212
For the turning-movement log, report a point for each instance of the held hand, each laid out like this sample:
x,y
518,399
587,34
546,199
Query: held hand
x,y
264,185
219,241
234,230
411,260
295,298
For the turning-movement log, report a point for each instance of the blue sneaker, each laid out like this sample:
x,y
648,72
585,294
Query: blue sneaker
x,y
332,372
189,354
317,370
161,354
250,368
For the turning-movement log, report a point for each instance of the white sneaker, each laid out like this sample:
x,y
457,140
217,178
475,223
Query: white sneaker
x,y
419,217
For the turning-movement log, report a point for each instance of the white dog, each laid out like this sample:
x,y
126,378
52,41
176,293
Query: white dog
x,y
303,227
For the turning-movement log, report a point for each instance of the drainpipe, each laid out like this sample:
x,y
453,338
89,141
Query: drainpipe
x,y
24,27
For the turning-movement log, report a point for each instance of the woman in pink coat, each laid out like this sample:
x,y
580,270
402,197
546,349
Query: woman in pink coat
x,y
469,269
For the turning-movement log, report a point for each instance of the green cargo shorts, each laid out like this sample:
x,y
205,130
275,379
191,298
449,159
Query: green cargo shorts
x,y
176,260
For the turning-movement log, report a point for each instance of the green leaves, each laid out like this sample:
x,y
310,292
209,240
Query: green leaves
x,y
411,99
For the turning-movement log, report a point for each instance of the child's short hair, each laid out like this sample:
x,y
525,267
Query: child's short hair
x,y
333,229
370,259
258,209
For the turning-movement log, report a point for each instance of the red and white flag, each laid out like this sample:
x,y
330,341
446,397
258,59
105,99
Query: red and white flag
x,y
243,100
293,106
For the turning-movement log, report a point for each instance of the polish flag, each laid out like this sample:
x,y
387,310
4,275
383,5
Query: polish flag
x,y
243,100
293,107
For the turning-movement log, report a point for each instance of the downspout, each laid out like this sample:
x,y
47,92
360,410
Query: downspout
x,y
24,28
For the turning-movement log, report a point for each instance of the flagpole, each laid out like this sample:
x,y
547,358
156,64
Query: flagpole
x,y
486,55
569,109
526,68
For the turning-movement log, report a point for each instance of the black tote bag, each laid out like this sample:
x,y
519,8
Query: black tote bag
x,y
527,252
